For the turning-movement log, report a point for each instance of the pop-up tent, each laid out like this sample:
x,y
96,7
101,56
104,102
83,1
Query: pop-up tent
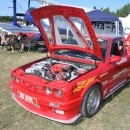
x,y
105,23
98,15
126,25
10,28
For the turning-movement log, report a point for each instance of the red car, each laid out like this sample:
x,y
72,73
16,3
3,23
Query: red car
x,y
82,68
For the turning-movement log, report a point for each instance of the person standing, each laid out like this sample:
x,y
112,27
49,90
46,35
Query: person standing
x,y
22,41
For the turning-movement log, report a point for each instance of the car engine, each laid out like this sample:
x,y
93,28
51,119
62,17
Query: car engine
x,y
54,69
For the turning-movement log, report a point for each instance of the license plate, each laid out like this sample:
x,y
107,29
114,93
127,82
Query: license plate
x,y
27,98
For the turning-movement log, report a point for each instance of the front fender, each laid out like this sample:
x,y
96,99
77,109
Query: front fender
x,y
86,88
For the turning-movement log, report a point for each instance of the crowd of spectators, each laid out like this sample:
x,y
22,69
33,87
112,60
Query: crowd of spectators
x,y
15,42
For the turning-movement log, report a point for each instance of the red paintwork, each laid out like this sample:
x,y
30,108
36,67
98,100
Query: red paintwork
x,y
128,37
29,90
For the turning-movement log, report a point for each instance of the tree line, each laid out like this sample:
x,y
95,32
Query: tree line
x,y
123,12
8,19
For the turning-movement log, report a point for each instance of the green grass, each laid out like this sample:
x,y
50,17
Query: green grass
x,y
113,115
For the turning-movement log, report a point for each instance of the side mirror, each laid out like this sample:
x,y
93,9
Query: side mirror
x,y
115,59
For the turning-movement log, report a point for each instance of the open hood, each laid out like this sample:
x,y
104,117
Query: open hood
x,y
64,27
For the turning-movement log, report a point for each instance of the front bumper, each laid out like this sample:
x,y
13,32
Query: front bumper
x,y
70,109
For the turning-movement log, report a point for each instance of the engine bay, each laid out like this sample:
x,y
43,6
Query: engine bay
x,y
55,69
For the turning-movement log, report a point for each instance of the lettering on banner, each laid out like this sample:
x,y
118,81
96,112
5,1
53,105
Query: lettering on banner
x,y
108,28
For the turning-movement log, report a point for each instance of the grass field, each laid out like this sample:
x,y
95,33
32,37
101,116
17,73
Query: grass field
x,y
113,115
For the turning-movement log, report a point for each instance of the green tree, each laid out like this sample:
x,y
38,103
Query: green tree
x,y
106,10
9,19
124,11
94,7
6,18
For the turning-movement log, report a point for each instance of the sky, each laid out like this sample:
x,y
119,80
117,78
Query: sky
x,y
113,5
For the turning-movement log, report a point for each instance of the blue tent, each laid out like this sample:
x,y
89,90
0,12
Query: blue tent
x,y
98,15
28,16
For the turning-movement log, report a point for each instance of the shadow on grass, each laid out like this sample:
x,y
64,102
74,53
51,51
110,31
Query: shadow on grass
x,y
103,103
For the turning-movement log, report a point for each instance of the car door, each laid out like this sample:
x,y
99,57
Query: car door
x,y
118,70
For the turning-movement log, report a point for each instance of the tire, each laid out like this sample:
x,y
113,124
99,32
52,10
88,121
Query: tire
x,y
91,101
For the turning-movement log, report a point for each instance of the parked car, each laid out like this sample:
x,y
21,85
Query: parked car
x,y
75,78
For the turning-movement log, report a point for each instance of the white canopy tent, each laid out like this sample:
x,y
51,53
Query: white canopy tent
x,y
10,28
126,25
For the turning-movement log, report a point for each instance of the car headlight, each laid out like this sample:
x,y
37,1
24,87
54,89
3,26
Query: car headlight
x,y
48,90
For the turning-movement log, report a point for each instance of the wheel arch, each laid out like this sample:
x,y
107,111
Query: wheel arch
x,y
90,85
85,92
